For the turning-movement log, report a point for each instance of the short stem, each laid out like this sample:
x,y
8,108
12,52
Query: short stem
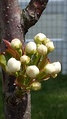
x,y
43,62
36,59
41,76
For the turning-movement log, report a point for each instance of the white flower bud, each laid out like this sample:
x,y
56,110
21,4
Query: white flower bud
x,y
16,43
50,46
49,69
46,40
13,65
39,38
36,86
32,71
31,48
42,49
53,68
25,59
57,67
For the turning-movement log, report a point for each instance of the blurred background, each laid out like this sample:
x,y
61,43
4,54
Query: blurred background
x,y
53,23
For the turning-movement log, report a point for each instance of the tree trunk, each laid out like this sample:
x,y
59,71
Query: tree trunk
x,y
14,23
14,107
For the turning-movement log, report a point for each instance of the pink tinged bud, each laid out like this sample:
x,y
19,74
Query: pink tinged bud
x,y
16,43
24,59
50,46
32,71
31,48
36,86
42,49
13,65
39,38
57,66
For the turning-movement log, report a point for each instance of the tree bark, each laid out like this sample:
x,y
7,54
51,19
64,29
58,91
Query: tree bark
x,y
15,23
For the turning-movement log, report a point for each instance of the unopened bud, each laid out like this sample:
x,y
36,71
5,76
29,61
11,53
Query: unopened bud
x,y
31,48
50,46
49,69
53,68
36,86
24,59
32,71
39,38
16,43
13,65
57,67
46,40
42,49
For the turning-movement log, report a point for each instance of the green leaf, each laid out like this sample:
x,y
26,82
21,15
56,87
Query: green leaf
x,y
2,61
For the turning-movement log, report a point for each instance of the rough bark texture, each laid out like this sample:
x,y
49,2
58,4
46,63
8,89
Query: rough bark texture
x,y
14,23
31,14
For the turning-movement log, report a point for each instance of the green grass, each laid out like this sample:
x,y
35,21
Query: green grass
x,y
50,102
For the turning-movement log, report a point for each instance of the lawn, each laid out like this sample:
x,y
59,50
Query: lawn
x,y
50,102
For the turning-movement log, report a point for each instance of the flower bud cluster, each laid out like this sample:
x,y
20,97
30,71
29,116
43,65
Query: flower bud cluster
x,y
41,39
31,65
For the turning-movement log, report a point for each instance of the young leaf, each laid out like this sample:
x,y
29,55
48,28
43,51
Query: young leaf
x,y
3,61
7,43
11,52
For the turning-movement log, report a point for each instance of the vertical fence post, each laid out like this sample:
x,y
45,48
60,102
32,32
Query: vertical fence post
x,y
64,60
